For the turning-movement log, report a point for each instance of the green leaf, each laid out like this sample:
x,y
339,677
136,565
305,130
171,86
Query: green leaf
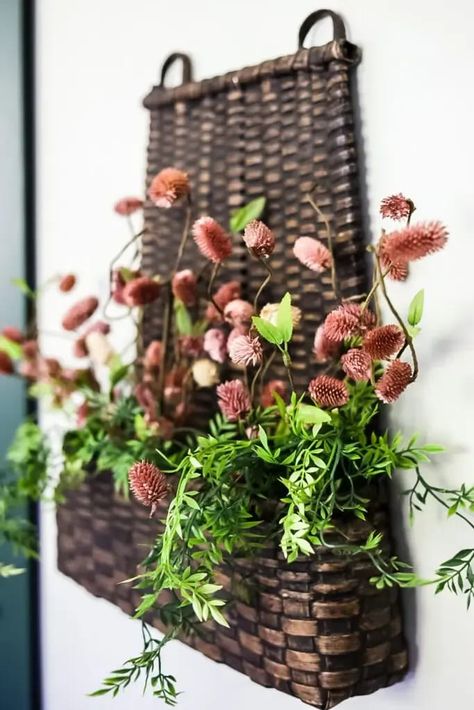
x,y
24,288
184,323
10,570
12,349
284,318
309,414
413,330
117,374
415,310
241,217
267,330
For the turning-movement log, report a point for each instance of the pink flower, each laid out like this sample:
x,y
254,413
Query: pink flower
x,y
215,344
259,239
148,483
415,242
13,334
119,281
245,350
79,348
324,349
99,326
67,283
238,312
233,399
79,313
274,386
236,333
30,349
393,382
313,254
184,286
6,364
396,207
153,354
191,345
329,392
357,364
224,294
383,342
82,412
128,205
397,270
141,291
211,239
169,186
346,320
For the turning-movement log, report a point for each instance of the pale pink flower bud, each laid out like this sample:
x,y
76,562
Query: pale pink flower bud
x,y
169,186
184,286
245,350
79,313
233,399
313,254
215,344
259,239
211,239
128,205
238,312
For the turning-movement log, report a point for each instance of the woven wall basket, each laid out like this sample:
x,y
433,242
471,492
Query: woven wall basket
x,y
317,628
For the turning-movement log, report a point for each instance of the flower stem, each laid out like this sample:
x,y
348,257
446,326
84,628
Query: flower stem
x,y
264,283
215,271
334,282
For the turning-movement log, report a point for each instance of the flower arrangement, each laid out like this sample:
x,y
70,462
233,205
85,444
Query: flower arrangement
x,y
275,465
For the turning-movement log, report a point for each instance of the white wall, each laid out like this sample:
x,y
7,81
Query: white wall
x,y
96,61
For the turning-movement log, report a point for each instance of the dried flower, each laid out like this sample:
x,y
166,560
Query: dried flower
x,y
238,312
236,333
396,207
397,270
346,320
128,205
50,367
30,349
211,239
383,342
12,333
99,326
28,369
99,348
415,242
146,398
357,364
79,348
82,412
269,312
393,382
67,283
324,349
148,484
233,399
327,391
259,239
267,398
169,186
215,344
229,291
141,291
6,364
191,345
245,350
120,277
205,373
184,286
79,313
313,254
153,355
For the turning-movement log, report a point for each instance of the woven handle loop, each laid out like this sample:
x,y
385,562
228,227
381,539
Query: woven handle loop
x,y
187,67
311,20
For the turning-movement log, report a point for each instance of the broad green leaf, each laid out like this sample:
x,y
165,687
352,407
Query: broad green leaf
x,y
284,318
415,310
309,414
9,570
184,323
241,217
24,288
413,330
12,349
267,330
117,374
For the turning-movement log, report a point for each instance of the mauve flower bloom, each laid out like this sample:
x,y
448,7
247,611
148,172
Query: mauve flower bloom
x,y
215,344
169,186
67,283
50,367
119,283
233,399
267,399
245,350
357,364
148,484
313,254
396,207
397,270
30,349
79,313
205,373
6,364
211,239
383,342
184,287
393,382
99,348
12,333
145,398
327,391
346,320
79,348
191,345
82,412
153,355
416,241
141,291
128,205
99,326
173,394
236,333
324,349
229,291
269,312
238,312
259,239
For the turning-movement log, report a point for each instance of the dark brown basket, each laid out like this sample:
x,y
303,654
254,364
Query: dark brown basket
x,y
316,629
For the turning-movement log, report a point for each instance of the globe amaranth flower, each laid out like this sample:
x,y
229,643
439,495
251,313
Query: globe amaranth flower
x,y
184,287
13,334
128,205
383,342
269,312
238,312
148,484
393,382
395,270
169,186
211,239
259,239
191,345
6,364
233,400
205,372
141,291
229,291
415,242
313,254
153,355
267,398
79,313
324,349
357,364
346,320
30,349
245,350
79,348
328,392
67,283
215,344
396,207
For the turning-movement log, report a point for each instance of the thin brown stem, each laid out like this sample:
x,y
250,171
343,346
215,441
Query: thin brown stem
x,y
215,271
122,251
334,283
264,283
